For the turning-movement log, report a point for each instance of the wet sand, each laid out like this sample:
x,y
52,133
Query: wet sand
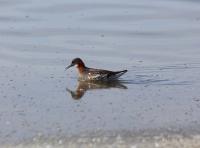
x,y
155,104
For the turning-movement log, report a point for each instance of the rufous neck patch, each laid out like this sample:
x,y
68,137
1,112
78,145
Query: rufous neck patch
x,y
80,69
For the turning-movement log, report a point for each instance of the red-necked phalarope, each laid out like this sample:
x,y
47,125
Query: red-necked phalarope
x,y
86,73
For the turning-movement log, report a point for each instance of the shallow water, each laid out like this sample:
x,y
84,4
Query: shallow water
x,y
155,104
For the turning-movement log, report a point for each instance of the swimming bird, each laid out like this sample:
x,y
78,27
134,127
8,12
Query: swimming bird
x,y
86,73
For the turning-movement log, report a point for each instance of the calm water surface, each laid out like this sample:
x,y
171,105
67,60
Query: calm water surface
x,y
155,104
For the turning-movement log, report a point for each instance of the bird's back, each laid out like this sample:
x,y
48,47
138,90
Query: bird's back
x,y
99,74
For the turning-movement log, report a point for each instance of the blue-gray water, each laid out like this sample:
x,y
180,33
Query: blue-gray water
x,y
155,104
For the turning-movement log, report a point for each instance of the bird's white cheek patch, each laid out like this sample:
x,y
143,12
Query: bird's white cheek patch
x,y
76,65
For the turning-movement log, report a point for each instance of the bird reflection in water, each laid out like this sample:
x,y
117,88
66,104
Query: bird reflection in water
x,y
84,86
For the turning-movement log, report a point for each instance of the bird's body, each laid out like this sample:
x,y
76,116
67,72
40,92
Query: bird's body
x,y
99,74
86,73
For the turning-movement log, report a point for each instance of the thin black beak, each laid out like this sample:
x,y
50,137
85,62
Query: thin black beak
x,y
68,67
